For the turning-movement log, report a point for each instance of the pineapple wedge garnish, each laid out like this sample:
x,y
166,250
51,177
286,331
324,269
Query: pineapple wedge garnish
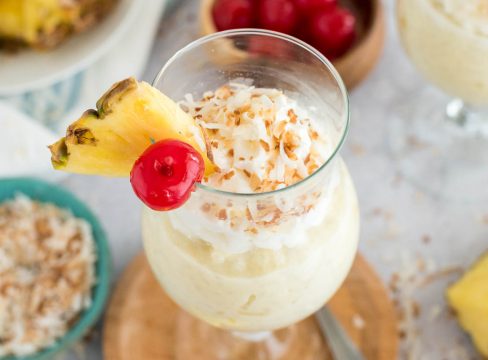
x,y
469,298
129,117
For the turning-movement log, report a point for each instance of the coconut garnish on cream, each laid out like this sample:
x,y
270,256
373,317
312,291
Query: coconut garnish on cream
x,y
259,138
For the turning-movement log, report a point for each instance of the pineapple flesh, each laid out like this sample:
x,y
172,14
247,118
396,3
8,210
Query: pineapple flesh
x,y
45,23
469,298
129,117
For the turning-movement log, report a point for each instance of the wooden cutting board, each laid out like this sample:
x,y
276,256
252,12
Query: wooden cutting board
x,y
142,322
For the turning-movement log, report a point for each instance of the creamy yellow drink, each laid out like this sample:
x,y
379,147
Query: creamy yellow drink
x,y
270,236
252,219
448,41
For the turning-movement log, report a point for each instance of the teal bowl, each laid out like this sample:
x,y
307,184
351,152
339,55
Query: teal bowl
x,y
46,192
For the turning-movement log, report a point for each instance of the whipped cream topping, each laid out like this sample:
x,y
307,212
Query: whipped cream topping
x,y
469,14
274,226
259,138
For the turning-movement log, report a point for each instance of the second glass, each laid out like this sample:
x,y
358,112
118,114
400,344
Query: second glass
x,y
440,140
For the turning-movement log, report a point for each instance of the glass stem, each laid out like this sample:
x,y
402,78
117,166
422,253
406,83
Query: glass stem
x,y
471,120
457,112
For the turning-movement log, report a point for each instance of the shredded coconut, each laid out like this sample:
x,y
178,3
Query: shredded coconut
x,y
418,274
46,272
259,138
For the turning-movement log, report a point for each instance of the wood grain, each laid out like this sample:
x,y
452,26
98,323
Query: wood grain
x,y
143,323
360,60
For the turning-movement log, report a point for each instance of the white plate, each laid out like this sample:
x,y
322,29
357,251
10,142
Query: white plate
x,y
29,70
25,155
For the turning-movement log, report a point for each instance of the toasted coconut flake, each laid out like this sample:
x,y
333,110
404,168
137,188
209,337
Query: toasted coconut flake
x,y
222,214
229,175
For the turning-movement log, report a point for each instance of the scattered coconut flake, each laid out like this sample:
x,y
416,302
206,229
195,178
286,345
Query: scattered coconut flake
x,y
358,322
435,312
357,149
415,274
484,219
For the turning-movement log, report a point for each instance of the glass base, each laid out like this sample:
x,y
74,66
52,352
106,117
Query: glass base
x,y
299,341
440,145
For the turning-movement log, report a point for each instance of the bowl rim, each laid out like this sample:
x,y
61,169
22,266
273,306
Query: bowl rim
x,y
46,192
125,11
376,29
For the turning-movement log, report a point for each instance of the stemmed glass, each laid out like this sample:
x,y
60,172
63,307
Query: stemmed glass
x,y
248,284
440,140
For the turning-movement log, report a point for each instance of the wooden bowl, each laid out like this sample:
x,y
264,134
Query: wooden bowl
x,y
363,55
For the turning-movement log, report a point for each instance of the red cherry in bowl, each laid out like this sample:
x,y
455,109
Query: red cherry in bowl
x,y
165,174
278,15
233,14
332,32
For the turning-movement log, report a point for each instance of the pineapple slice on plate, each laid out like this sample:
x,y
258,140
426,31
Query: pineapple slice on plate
x,y
46,23
469,298
129,117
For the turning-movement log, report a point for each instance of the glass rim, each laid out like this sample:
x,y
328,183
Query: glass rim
x,y
295,41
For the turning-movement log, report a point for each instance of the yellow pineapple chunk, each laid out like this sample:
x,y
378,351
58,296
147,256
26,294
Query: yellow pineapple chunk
x,y
129,116
469,298
46,23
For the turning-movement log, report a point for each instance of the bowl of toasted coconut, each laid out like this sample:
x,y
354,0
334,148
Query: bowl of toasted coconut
x,y
54,269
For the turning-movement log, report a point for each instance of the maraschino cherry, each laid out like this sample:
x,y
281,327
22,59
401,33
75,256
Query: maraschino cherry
x,y
233,14
333,31
277,15
165,174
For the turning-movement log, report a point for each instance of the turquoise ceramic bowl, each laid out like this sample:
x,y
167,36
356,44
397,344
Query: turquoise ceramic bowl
x,y
46,192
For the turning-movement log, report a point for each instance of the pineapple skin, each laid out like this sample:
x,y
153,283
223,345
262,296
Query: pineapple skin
x,y
129,117
469,298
